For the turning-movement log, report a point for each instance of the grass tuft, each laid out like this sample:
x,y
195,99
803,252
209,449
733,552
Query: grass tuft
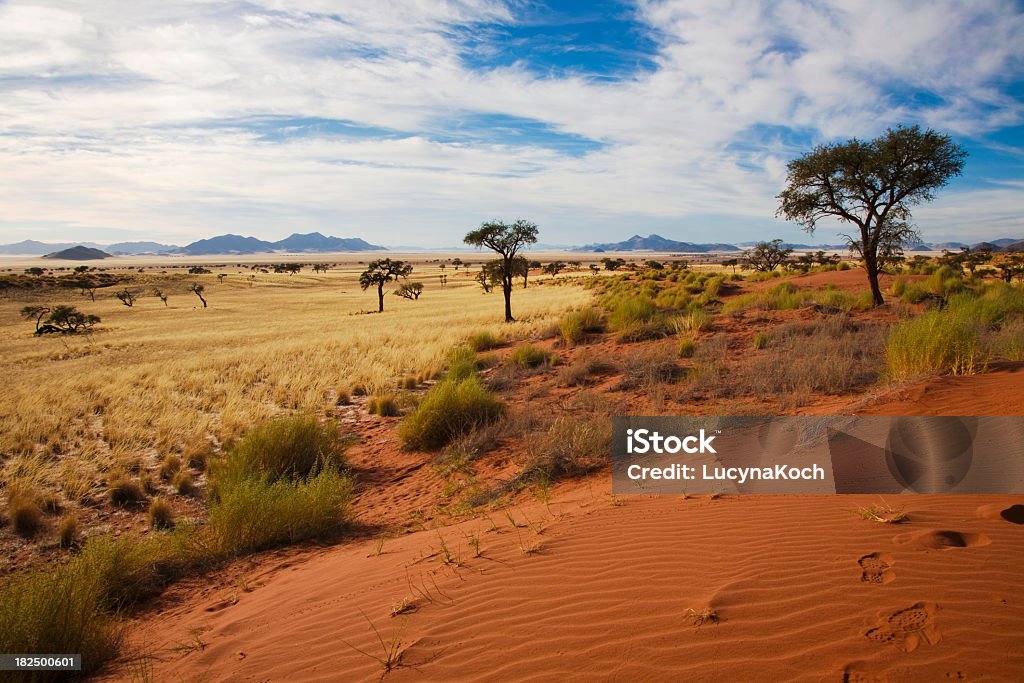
x,y
451,407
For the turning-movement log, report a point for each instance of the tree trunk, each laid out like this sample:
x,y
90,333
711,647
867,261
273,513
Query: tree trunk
x,y
506,287
871,266
380,297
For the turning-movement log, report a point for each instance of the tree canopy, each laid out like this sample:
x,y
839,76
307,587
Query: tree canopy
x,y
380,272
507,240
873,185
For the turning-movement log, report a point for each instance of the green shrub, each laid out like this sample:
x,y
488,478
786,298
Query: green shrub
x,y
289,447
462,363
255,513
530,356
450,408
628,311
577,325
483,341
760,340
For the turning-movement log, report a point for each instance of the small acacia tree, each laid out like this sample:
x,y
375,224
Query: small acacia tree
x,y
767,256
411,290
198,290
126,297
381,272
506,240
872,185
60,319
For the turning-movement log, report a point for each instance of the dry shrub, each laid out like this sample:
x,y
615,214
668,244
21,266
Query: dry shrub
x,y
830,356
183,483
650,367
26,516
67,530
385,406
571,446
161,515
169,467
581,370
123,491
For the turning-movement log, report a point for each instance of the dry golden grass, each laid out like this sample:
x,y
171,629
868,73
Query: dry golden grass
x,y
155,380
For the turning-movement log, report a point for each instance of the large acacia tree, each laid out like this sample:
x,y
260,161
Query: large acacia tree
x,y
381,272
506,240
871,184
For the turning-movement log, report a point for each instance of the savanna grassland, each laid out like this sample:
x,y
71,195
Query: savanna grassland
x,y
155,381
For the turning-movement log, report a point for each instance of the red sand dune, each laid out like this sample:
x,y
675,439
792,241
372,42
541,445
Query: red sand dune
x,y
799,586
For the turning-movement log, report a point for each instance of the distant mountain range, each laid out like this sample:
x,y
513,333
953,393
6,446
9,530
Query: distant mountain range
x,y
656,243
78,253
313,242
662,244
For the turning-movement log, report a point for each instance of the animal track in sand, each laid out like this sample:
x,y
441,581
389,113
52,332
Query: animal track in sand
x,y
936,539
907,627
877,568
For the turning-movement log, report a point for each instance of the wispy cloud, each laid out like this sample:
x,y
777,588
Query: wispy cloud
x,y
183,118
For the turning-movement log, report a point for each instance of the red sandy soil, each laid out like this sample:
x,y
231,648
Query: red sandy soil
x,y
596,587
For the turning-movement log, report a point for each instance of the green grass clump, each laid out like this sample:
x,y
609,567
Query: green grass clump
x,y
630,310
451,407
256,513
577,325
462,363
934,342
287,447
760,340
71,608
483,341
529,356
951,339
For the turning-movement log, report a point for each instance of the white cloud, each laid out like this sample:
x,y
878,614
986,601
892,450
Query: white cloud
x,y
127,116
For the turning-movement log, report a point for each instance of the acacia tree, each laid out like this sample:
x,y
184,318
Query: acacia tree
x,y
410,291
872,185
198,290
381,272
505,240
767,256
61,319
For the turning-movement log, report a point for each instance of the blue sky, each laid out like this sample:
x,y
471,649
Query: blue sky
x,y
411,122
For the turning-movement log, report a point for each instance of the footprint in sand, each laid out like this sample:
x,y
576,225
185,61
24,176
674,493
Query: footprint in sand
x,y
935,539
877,568
908,627
1013,514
